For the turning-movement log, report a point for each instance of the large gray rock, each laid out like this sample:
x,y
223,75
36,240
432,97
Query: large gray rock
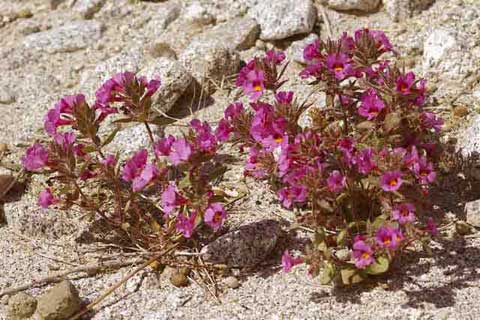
x,y
128,60
209,62
347,5
469,139
71,37
21,306
400,10
238,33
175,80
178,35
281,19
59,303
87,8
447,54
246,246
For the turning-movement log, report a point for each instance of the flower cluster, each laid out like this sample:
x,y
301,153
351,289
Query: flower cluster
x,y
159,193
360,174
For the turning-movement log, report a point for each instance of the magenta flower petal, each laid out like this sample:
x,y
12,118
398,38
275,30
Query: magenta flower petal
x,y
35,158
288,262
391,181
215,215
46,198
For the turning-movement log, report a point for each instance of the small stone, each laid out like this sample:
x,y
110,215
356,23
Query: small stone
x,y
21,306
399,10
3,148
60,302
343,255
232,282
198,14
463,228
238,33
179,279
296,48
260,45
209,62
161,50
88,8
71,37
174,78
469,139
472,211
461,111
358,5
55,3
6,97
280,19
27,27
247,246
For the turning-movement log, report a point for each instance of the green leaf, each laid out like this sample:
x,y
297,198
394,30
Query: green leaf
x,y
350,276
380,266
342,237
328,273
111,136
161,121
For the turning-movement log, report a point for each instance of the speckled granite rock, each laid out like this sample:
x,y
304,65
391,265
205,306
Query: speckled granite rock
x,y
71,37
162,15
59,303
403,9
175,80
21,306
347,5
281,19
247,246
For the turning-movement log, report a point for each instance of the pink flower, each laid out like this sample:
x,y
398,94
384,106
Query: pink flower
x,y
340,65
431,121
312,51
205,140
284,97
223,130
35,158
274,57
362,253
391,181
66,140
364,160
253,165
371,105
405,83
289,195
312,70
410,159
215,215
389,238
424,171
251,79
233,111
432,227
404,213
171,199
66,106
180,152
109,161
381,41
186,225
46,198
266,128
152,87
163,146
135,165
288,262
336,181
149,173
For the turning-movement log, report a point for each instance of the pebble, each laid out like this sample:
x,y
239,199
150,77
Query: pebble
x,y
6,97
179,279
60,302
399,10
232,282
359,5
21,306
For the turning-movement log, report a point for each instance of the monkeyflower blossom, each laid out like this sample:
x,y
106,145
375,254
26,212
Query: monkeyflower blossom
x,y
180,152
371,105
340,65
46,198
284,97
424,171
171,199
274,57
205,139
109,161
138,171
389,238
362,254
289,195
252,80
186,225
431,121
35,158
215,215
336,181
233,111
404,213
405,83
288,262
364,160
391,181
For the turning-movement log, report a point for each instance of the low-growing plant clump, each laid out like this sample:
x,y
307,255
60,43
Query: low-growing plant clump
x,y
358,175
360,172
